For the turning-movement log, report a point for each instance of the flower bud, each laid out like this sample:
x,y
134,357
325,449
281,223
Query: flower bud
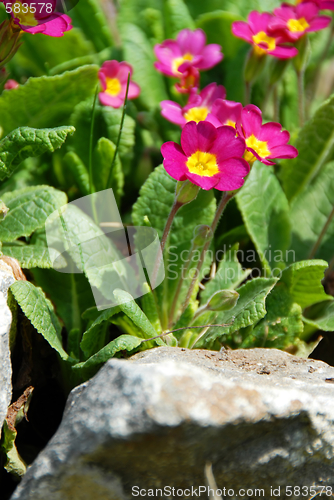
x,y
11,84
224,300
186,192
304,51
277,70
10,35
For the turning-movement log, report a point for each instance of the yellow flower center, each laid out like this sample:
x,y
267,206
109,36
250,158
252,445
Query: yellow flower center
x,y
180,60
230,123
23,14
203,164
298,25
113,86
263,38
261,147
196,114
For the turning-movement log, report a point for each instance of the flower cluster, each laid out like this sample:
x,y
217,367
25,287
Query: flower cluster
x,y
275,34
243,126
34,17
185,57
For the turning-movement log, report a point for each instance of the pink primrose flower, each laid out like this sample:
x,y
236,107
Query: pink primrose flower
x,y
175,57
225,112
263,142
37,17
294,21
197,108
209,157
11,84
255,31
322,4
189,81
113,78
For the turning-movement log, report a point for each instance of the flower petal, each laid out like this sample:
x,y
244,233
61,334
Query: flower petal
x,y
242,30
232,173
227,145
108,100
172,111
191,42
251,118
174,161
197,137
319,23
211,55
284,151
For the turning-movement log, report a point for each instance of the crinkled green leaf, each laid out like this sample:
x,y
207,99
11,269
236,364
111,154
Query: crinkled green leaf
x,y
30,256
122,343
70,293
248,311
282,324
303,280
39,52
91,18
132,310
47,100
103,158
40,313
315,144
310,213
321,316
78,170
229,274
90,337
139,53
28,210
177,17
25,142
107,123
265,211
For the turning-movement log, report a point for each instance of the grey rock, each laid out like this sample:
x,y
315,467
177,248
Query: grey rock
x,y
262,417
6,279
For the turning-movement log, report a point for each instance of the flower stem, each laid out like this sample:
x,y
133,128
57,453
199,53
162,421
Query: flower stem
x,y
227,196
119,133
321,235
276,104
90,166
176,206
248,90
301,97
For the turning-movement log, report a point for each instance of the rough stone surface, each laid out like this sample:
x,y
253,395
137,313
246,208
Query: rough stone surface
x,y
6,279
262,417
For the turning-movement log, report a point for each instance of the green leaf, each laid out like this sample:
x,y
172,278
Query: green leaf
x,y
248,311
70,293
229,274
90,338
25,142
310,213
107,123
30,256
78,170
177,17
122,343
93,22
39,52
303,280
155,202
139,53
265,213
217,25
133,311
150,308
315,144
103,158
321,316
14,463
40,313
28,210
282,324
47,100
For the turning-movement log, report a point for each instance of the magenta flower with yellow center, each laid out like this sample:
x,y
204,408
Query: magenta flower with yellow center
x,y
255,32
197,108
293,22
113,78
263,142
189,50
36,18
209,157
